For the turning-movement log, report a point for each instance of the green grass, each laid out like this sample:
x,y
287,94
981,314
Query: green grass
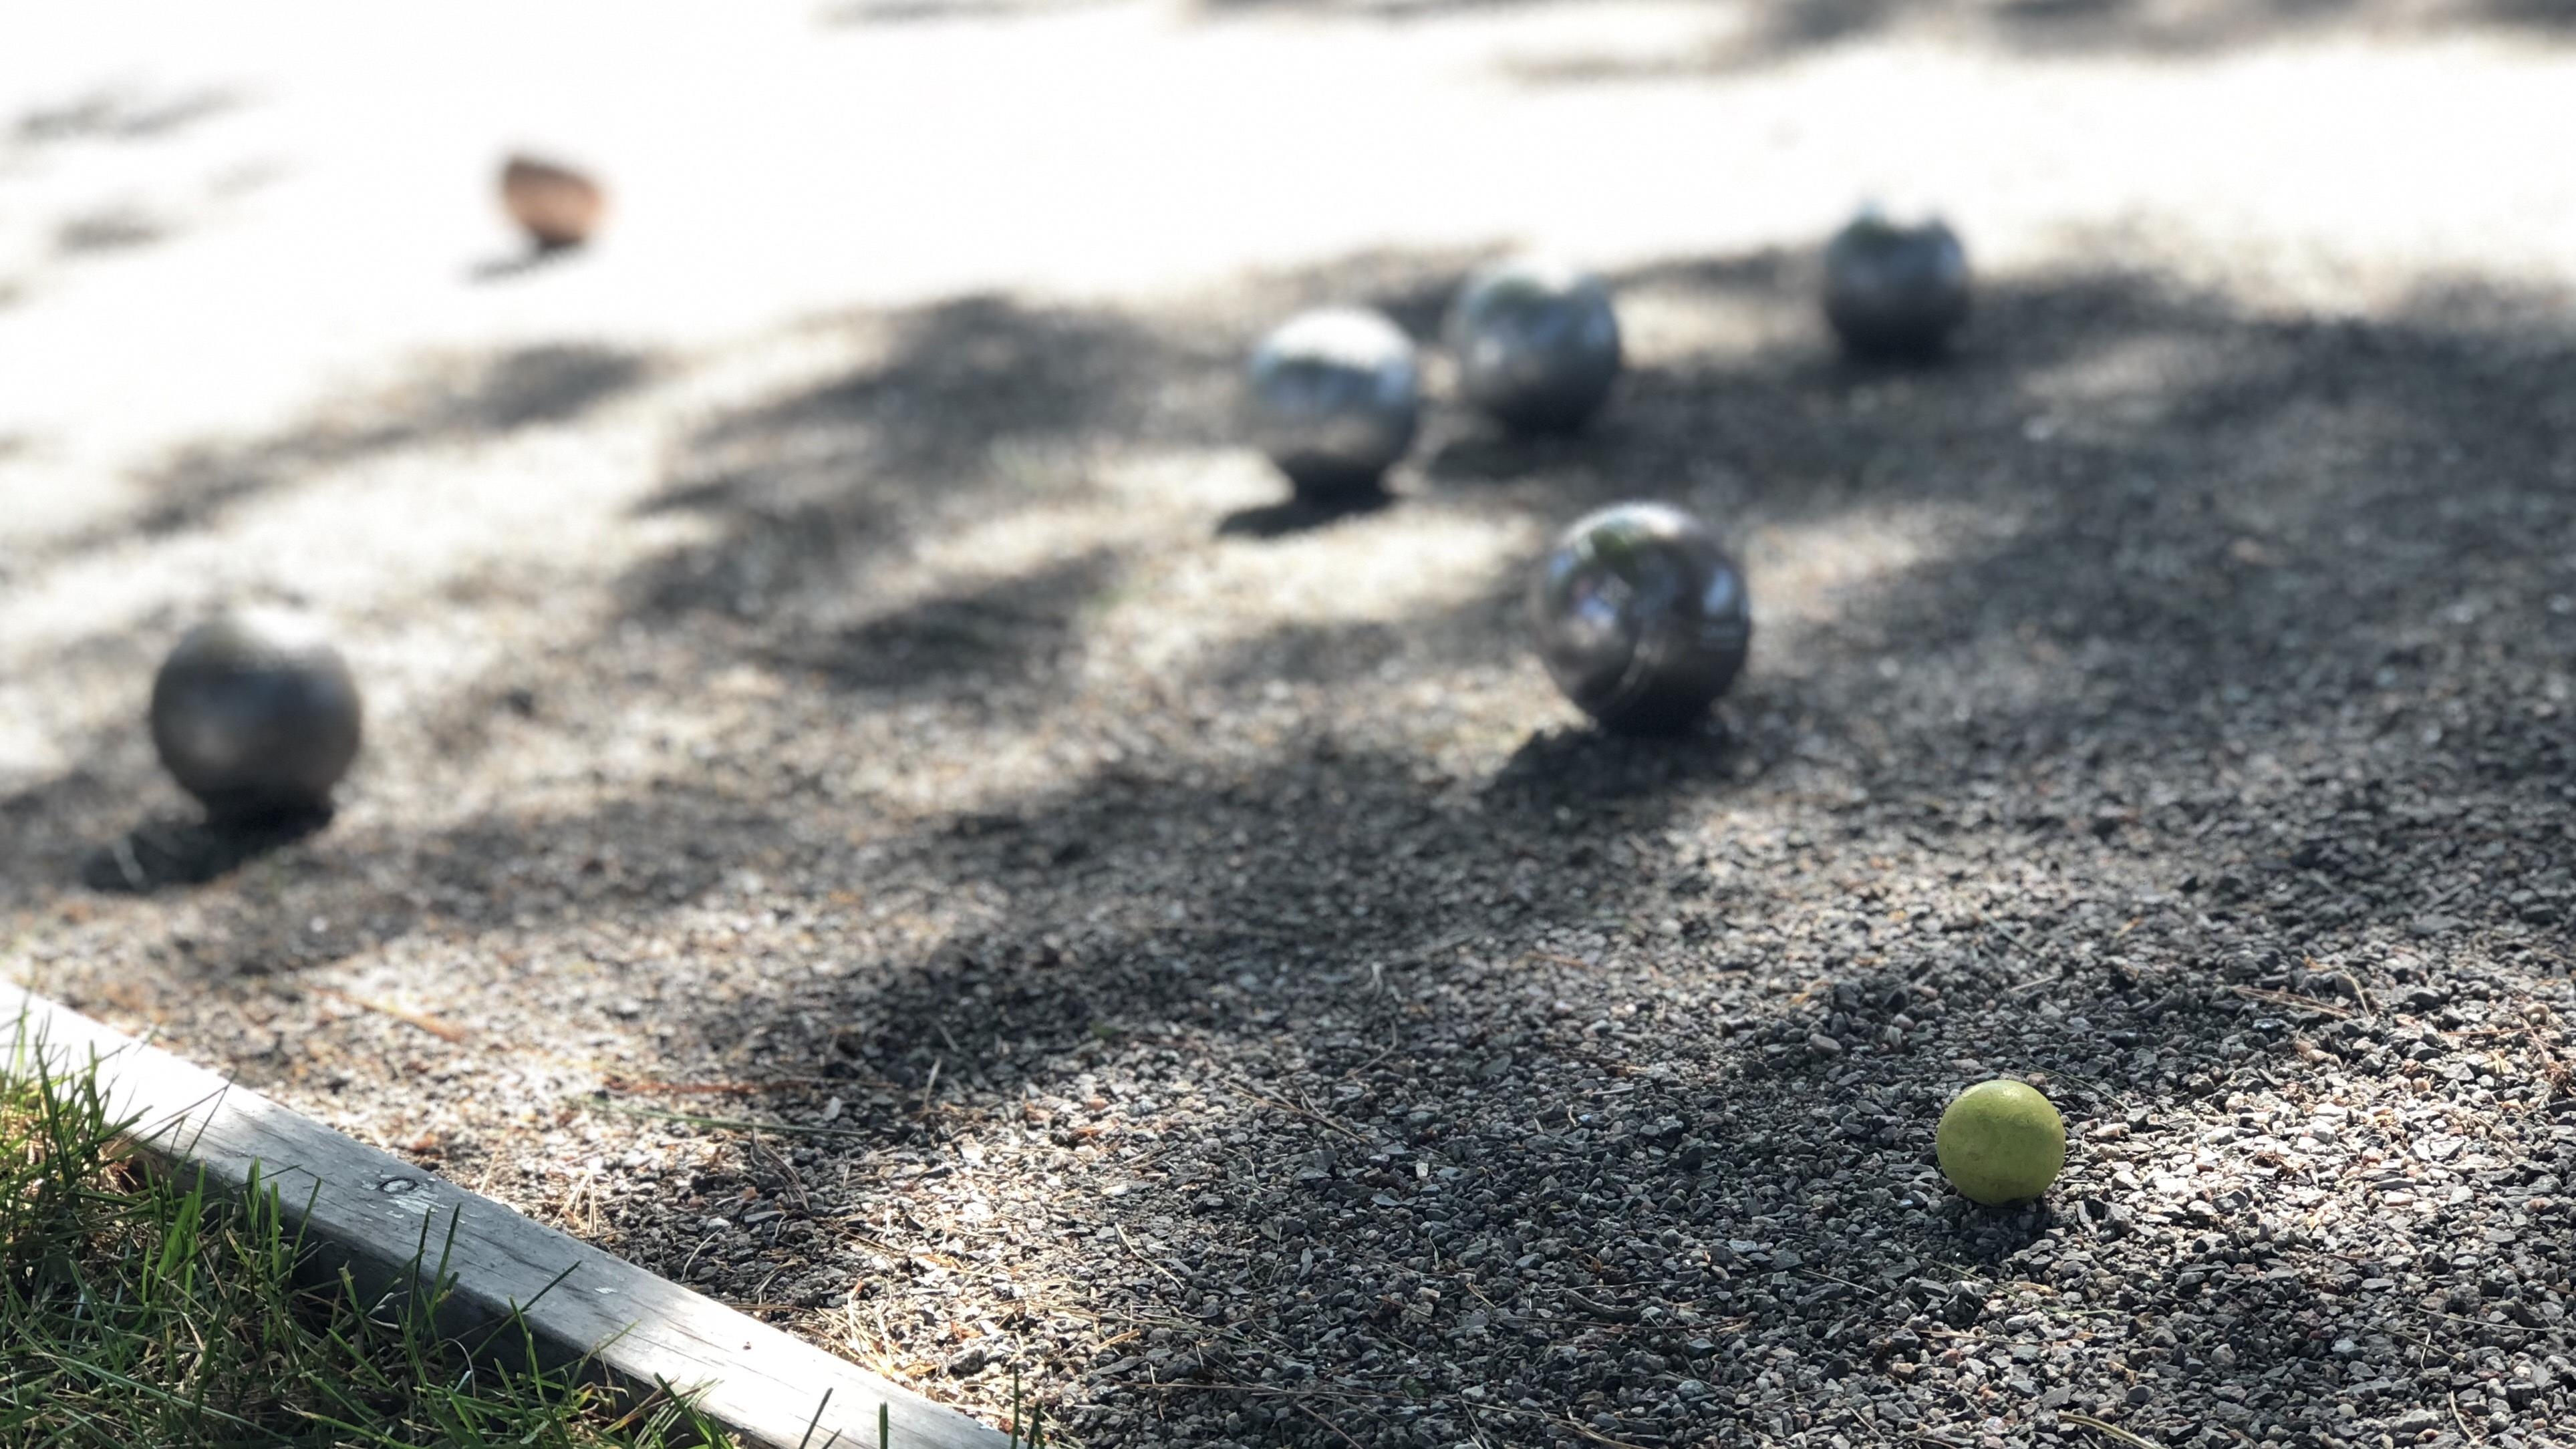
x,y
138,1310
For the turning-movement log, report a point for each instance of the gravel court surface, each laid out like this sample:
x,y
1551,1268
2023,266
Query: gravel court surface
x,y
829,668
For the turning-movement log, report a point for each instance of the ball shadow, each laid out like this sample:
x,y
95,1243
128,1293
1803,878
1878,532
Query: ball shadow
x,y
163,853
535,257
1301,515
1576,765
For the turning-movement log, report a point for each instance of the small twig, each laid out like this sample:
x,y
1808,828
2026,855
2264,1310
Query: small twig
x,y
1567,1421
1364,1066
2552,1070
786,1170
731,1124
1846,1282
1475,1431
879,1245
1597,1437
2109,1431
444,1031
1309,1411
731,1089
2291,1002
1295,1110
2466,1432
1140,1255
2007,932
1615,1313
1231,928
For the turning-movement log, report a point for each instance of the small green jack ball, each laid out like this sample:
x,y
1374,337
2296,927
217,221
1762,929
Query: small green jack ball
x,y
2001,1142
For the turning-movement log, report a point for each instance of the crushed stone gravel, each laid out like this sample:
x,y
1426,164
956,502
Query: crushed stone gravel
x,y
892,823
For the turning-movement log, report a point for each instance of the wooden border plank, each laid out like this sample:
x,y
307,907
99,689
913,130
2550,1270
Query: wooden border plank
x,y
372,1212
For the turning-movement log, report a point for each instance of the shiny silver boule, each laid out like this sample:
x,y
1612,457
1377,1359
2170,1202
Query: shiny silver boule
x,y
1895,291
256,715
1537,344
1336,397
1642,618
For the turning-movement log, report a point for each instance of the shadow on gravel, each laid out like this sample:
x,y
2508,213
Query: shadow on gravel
x,y
1761,36
122,114
113,229
296,900
442,400
1016,628
1293,516
46,824
2181,721
908,12
976,404
916,12
181,851
528,261
1392,10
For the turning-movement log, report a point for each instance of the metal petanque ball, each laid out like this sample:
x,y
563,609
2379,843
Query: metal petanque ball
x,y
256,715
1895,291
1537,344
1642,618
1336,396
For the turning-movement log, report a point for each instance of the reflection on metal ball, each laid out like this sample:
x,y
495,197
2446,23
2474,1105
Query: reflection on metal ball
x,y
1537,344
555,205
1642,618
255,713
1336,397
1895,291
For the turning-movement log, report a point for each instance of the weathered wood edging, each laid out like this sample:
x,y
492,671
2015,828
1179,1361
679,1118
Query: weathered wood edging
x,y
373,1212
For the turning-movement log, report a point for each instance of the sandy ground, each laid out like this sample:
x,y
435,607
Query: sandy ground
x,y
830,667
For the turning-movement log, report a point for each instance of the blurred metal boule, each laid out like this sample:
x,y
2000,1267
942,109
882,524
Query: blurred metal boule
x,y
1642,618
256,714
1537,344
1894,290
1336,396
555,205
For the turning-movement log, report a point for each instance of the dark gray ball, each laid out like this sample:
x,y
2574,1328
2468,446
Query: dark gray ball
x,y
1642,618
1537,344
255,714
1336,397
1895,291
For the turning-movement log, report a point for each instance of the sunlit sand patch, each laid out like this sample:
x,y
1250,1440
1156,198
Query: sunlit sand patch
x,y
1387,566
1803,572
2131,378
1665,320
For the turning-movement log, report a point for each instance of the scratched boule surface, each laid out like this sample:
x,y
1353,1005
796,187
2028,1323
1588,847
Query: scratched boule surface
x,y
825,649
